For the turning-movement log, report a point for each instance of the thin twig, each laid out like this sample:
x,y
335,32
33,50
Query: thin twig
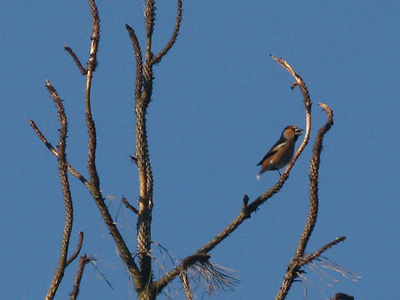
x,y
76,60
55,152
139,61
78,277
174,36
129,206
78,249
93,262
318,253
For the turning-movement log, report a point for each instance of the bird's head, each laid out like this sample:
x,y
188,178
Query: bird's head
x,y
292,132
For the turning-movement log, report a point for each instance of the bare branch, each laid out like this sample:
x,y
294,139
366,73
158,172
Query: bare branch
x,y
78,249
150,15
92,63
186,285
299,81
62,168
129,206
245,203
248,209
314,172
94,187
174,36
76,60
317,253
95,183
89,76
143,236
253,206
54,151
297,261
78,277
43,138
139,61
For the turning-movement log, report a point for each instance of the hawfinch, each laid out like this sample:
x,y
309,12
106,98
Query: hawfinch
x,y
282,152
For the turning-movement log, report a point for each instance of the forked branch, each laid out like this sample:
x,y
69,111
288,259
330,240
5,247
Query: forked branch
x,y
94,188
298,261
143,96
249,208
93,184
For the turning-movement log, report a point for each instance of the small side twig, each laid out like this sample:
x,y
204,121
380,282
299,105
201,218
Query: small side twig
x,y
76,60
78,277
129,206
55,152
78,249
133,159
318,253
174,36
139,60
245,203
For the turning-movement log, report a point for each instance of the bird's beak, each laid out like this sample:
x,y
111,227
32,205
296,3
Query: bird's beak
x,y
298,131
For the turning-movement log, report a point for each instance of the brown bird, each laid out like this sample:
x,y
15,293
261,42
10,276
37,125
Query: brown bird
x,y
282,152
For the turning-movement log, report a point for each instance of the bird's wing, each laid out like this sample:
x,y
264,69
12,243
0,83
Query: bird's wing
x,y
273,150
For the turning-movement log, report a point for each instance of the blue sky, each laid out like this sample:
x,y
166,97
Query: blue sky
x,y
219,104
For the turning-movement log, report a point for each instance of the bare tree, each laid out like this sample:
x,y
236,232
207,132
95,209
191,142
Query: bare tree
x,y
197,266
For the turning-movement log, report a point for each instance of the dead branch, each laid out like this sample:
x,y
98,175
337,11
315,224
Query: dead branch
x,y
94,187
78,249
253,206
63,172
314,172
297,261
55,152
318,253
94,184
76,60
174,36
129,206
78,277
186,285
139,61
